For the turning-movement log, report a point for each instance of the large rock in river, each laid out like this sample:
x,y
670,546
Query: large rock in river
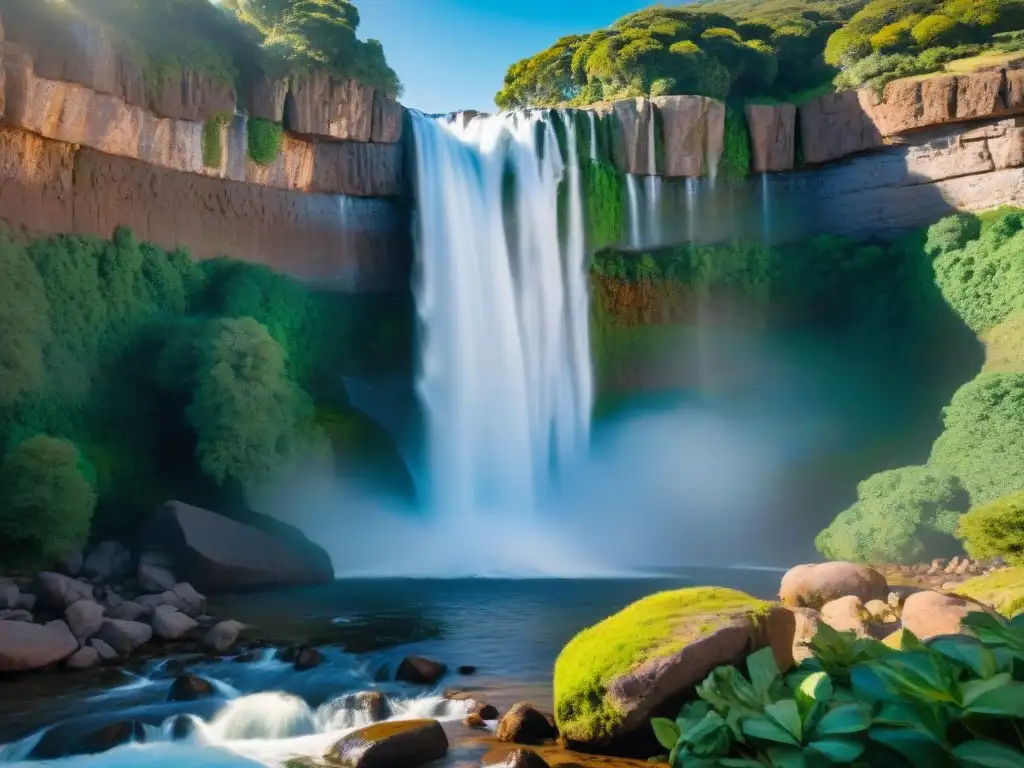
x,y
644,661
398,744
26,646
215,552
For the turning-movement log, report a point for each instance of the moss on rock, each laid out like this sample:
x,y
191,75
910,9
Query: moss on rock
x,y
653,628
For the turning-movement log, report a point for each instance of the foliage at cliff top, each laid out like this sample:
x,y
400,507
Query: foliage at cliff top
x,y
682,50
655,626
889,39
231,41
176,379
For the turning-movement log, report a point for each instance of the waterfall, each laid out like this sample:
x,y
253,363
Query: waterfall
x,y
593,136
633,210
766,210
505,373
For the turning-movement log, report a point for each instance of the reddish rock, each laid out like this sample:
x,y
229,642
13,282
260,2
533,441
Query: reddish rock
x,y
811,586
67,739
836,125
930,614
420,671
386,122
475,721
523,724
215,551
980,95
692,135
190,687
192,96
308,658
321,105
772,136
515,758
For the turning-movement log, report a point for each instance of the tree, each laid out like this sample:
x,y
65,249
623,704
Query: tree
x,y
24,324
995,529
46,503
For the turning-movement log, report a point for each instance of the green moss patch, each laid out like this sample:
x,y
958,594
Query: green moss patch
x,y
1003,590
264,140
656,626
213,140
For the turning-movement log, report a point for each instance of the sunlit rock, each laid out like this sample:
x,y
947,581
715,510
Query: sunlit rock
x,y
406,743
813,585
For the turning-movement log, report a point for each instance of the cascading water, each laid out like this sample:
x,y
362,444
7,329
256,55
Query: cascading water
x,y
633,210
505,376
593,136
652,184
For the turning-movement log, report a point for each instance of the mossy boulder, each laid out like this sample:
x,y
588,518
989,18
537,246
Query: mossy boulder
x,y
645,661
1002,589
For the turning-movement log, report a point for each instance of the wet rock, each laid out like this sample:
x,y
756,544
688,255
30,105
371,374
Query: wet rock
x,y
67,739
168,669
399,744
846,614
222,636
85,619
420,671
153,578
182,727
189,687
466,669
108,561
86,657
189,601
523,724
516,758
26,646
18,614
9,595
169,624
71,563
60,592
127,610
124,636
476,721
811,586
359,709
212,550
772,136
308,658
930,614
106,653
248,657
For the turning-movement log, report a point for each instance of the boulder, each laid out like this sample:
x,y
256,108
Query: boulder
x,y
515,758
153,578
397,744
59,592
811,586
188,600
189,687
124,636
182,727
26,646
523,724
358,709
466,669
475,721
129,610
26,601
846,614
929,614
222,636
9,596
85,657
772,136
322,105
70,738
18,614
213,551
420,671
308,658
805,628
953,565
611,677
108,561
85,619
169,624
883,612
106,653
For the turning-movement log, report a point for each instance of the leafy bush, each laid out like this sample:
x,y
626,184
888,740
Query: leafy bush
x,y
264,140
995,529
983,439
213,140
24,318
602,186
46,503
900,516
734,165
953,701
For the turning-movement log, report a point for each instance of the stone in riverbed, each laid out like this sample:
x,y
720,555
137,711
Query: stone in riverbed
x,y
398,744
523,724
26,646
189,601
124,636
86,657
153,578
105,652
223,635
108,561
59,591
67,739
189,687
474,720
611,677
516,758
308,658
846,614
18,614
169,624
85,619
420,671
813,585
128,610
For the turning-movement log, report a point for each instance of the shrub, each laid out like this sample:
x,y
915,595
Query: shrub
x,y
46,503
900,516
932,28
213,140
983,439
734,165
603,190
264,140
952,233
995,529
25,324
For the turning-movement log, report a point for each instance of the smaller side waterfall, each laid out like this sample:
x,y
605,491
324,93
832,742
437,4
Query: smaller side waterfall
x,y
593,136
633,210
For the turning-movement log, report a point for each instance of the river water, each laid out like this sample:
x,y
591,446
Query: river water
x,y
266,713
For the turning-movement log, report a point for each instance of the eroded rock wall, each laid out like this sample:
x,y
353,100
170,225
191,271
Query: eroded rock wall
x,y
348,243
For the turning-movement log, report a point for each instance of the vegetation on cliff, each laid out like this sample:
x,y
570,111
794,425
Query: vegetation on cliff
x,y
172,379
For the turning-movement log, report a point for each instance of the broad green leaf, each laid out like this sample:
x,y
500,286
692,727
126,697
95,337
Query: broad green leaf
x,y
838,750
787,714
725,687
692,714
967,652
988,754
761,727
930,719
868,686
1005,701
739,762
665,731
918,748
1017,622
786,757
763,670
848,718
867,648
915,675
675,752
812,695
972,690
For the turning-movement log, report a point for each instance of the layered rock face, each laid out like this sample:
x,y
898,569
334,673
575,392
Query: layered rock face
x,y
772,136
